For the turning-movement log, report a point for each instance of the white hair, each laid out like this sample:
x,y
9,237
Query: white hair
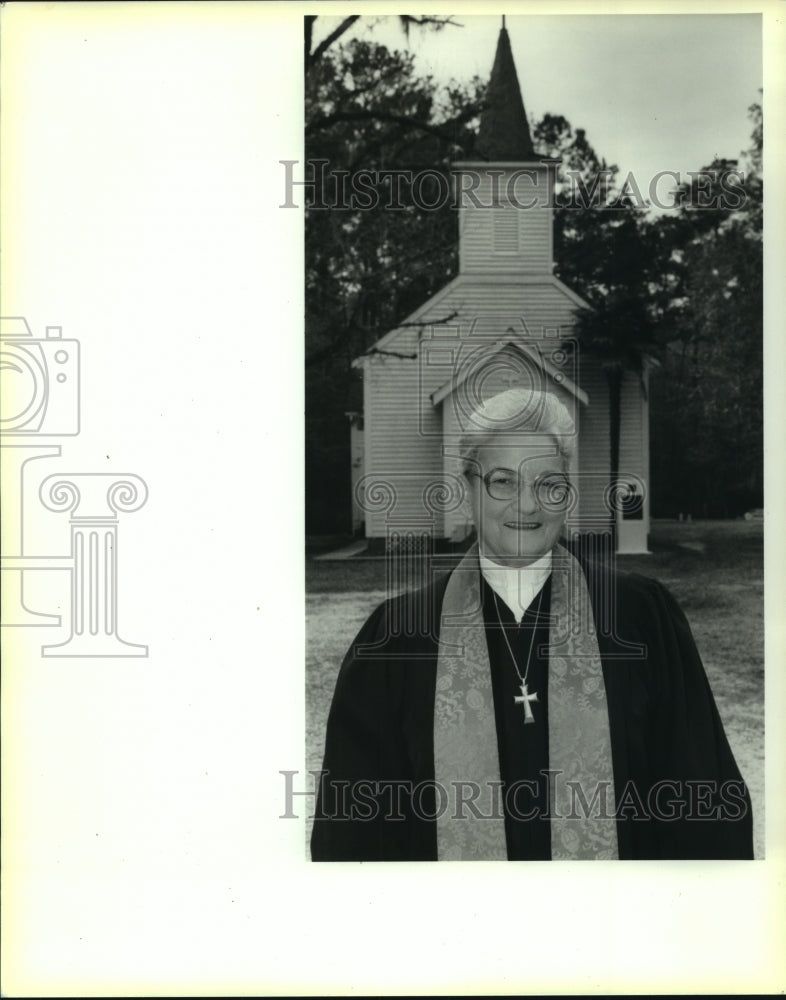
x,y
513,412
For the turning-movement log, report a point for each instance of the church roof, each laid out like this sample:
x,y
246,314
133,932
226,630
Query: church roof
x,y
504,136
535,354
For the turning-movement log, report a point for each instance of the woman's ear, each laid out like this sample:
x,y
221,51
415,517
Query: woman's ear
x,y
466,507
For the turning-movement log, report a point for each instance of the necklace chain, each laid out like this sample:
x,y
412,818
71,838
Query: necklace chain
x,y
507,642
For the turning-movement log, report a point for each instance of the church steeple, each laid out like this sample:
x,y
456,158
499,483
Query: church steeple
x,y
506,189
504,136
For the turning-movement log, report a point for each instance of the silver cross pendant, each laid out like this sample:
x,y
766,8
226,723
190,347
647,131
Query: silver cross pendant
x,y
524,699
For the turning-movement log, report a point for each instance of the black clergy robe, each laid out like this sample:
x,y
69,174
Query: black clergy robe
x,y
678,791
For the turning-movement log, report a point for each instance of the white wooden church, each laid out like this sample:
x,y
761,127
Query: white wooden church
x,y
502,321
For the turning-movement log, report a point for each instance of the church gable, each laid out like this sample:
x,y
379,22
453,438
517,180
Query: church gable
x,y
541,365
538,306
505,226
504,320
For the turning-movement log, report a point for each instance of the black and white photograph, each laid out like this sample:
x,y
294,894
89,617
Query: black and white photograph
x,y
391,471
533,379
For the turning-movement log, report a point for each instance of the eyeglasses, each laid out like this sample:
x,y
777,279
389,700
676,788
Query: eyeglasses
x,y
553,490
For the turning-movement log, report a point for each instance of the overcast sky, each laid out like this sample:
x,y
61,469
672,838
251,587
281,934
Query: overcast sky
x,y
653,92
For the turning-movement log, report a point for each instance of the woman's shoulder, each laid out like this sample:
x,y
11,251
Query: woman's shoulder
x,y
634,594
609,575
405,622
415,597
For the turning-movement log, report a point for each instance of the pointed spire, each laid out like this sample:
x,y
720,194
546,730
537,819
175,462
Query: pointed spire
x,y
504,134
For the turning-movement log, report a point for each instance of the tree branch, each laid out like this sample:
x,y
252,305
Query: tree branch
x,y
308,30
407,20
325,44
362,116
388,354
420,324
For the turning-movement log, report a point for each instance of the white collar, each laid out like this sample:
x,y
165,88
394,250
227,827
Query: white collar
x,y
517,586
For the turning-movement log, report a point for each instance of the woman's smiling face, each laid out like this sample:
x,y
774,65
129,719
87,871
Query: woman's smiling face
x,y
517,531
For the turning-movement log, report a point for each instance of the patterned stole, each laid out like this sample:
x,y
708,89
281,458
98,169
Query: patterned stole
x,y
470,815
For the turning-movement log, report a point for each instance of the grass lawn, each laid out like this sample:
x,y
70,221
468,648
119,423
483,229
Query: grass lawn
x,y
713,568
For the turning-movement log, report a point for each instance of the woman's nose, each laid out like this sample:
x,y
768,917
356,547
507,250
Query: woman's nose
x,y
527,499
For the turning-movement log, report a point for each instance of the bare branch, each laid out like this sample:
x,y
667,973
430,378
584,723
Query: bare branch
x,y
420,324
308,30
325,44
388,354
357,116
438,22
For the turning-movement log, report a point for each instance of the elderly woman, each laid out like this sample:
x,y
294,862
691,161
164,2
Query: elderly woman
x,y
535,707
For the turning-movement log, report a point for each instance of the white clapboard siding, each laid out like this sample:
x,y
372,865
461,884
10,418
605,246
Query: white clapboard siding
x,y
403,430
505,225
594,456
505,292
634,438
632,431
505,239
489,307
595,461
403,447
405,433
458,522
409,441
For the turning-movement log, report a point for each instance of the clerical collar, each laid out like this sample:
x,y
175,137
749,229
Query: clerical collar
x,y
517,586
